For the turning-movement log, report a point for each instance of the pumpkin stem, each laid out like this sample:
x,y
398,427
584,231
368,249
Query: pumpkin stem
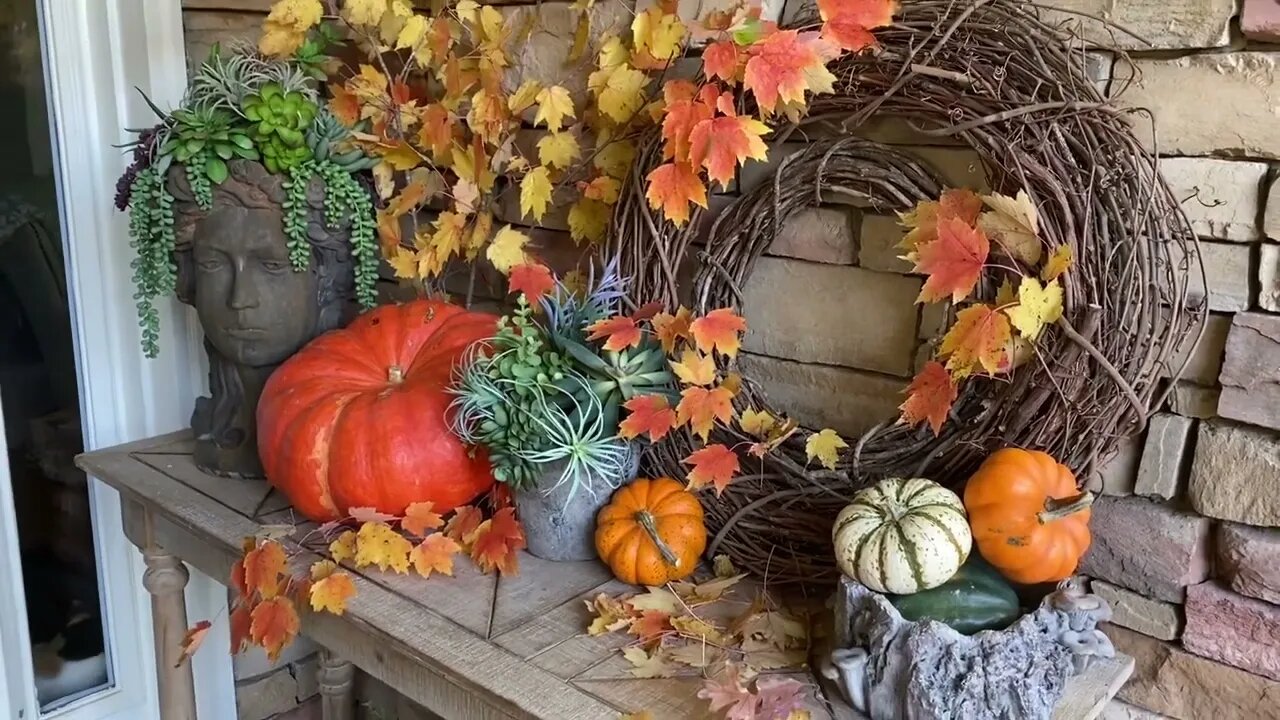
x,y
645,518
395,375
1056,509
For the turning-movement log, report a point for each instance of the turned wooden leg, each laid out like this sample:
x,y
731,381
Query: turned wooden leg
x,y
337,687
165,579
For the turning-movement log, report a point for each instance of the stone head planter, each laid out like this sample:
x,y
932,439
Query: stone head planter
x,y
889,668
256,310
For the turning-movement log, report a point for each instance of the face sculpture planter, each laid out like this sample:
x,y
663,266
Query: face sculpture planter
x,y
256,310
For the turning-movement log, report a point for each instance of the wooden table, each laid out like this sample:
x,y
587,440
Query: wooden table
x,y
471,647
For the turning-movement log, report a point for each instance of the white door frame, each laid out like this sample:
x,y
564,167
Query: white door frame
x,y
96,52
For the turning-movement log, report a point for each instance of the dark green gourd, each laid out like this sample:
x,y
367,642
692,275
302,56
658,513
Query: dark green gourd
x,y
976,598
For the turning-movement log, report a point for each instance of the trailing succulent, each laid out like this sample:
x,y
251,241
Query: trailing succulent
x,y
244,106
538,393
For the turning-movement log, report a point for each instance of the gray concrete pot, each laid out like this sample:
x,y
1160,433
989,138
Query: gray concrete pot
x,y
559,519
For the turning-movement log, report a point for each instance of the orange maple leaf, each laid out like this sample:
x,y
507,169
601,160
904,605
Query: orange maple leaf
x,y
721,144
673,187
784,64
721,60
848,23
686,107
649,414
192,640
464,522
923,218
981,336
701,407
953,261
719,330
712,465
344,105
651,627
419,517
497,542
436,132
532,279
274,625
435,554
617,332
263,567
240,621
671,329
929,397
330,588
237,578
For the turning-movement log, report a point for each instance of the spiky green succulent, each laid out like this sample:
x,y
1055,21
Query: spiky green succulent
x,y
281,119
203,139
330,140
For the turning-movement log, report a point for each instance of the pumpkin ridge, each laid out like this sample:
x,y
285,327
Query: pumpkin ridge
x,y
913,560
924,487
960,550
874,508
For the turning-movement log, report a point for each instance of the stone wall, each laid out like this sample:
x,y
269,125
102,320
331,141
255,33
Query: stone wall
x,y
1186,541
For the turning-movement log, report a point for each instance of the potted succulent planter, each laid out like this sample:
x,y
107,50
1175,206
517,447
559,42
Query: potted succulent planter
x,y
244,204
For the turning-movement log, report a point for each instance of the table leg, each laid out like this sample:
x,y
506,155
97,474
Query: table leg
x,y
337,687
165,579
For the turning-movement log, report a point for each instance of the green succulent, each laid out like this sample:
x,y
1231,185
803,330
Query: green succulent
x,y
204,139
281,121
329,140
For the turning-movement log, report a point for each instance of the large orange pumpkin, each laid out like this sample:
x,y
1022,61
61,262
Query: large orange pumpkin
x,y
1028,518
358,417
651,532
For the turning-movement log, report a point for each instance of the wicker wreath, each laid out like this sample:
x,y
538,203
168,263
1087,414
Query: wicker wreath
x,y
995,76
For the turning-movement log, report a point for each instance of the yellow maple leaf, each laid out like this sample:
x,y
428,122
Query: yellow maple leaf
x,y
364,12
1037,306
657,36
558,149
588,220
411,32
554,105
286,26
824,446
343,549
612,52
644,665
1013,226
377,544
610,614
615,158
405,263
524,97
535,193
330,588
481,228
1059,262
619,91
757,423
491,24
1007,294
507,249
694,368
467,11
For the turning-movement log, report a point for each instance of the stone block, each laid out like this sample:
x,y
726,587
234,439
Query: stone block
x,y
1166,25
818,396
1121,710
697,11
878,244
309,710
820,234
1271,218
832,314
1269,277
935,318
1249,559
1250,375
1240,121
955,167
1236,474
1220,197
1164,456
1117,474
1171,681
252,664
1234,629
1230,277
307,672
266,696
1203,361
202,28
1194,401
1260,20
1147,547
1129,609
544,56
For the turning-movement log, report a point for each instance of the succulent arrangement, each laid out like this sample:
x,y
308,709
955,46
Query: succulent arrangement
x,y
242,105
540,391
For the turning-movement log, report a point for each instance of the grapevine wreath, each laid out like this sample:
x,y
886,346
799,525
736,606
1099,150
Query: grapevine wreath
x,y
995,76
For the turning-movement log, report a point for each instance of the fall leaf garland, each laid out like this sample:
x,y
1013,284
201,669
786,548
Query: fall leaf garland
x,y
951,241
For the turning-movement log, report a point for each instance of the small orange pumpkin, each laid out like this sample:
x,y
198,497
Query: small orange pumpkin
x,y
1028,518
651,532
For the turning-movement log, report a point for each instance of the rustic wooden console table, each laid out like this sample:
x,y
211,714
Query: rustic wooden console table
x,y
471,647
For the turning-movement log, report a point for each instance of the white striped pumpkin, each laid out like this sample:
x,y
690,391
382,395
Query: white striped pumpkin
x,y
902,536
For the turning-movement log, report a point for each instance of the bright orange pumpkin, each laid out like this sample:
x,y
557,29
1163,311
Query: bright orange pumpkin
x,y
651,532
357,418
1028,518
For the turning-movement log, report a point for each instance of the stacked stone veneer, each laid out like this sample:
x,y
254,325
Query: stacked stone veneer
x,y
1186,546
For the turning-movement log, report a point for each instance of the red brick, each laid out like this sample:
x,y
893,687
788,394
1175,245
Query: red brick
x,y
1147,547
1260,20
1234,629
1249,558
